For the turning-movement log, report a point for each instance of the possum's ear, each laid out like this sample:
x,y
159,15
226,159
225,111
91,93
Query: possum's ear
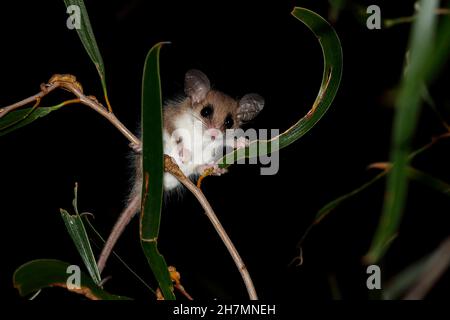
x,y
196,85
249,106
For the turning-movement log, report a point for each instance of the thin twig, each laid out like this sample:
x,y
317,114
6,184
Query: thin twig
x,y
434,140
173,168
38,101
69,83
45,89
388,23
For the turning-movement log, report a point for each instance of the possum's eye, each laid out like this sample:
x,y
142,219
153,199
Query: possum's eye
x,y
207,111
228,123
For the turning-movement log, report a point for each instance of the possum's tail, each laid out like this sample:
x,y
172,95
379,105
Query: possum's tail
x,y
125,217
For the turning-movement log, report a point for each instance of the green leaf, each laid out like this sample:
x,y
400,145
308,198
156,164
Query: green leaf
x,y
413,174
20,118
326,210
442,49
87,38
397,286
332,54
43,273
77,232
420,277
423,61
429,181
153,170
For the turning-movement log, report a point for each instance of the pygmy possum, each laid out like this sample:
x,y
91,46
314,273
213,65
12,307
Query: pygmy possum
x,y
196,126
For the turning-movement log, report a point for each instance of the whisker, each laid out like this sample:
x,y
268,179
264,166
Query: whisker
x,y
196,116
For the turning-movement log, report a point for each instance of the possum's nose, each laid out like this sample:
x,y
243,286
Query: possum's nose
x,y
213,133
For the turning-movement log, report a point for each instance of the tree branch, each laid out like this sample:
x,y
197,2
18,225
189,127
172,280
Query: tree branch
x,y
172,167
69,83
45,89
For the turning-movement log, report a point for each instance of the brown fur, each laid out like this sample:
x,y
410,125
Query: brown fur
x,y
221,103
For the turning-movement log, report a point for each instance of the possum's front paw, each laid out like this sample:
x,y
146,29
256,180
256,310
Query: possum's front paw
x,y
213,169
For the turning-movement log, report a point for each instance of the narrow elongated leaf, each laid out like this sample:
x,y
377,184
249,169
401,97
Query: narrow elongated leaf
x,y
332,54
420,277
421,67
20,118
429,181
413,174
77,232
437,264
44,273
87,38
397,286
442,48
153,169
326,210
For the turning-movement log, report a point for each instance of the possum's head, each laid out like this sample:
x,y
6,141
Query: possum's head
x,y
218,111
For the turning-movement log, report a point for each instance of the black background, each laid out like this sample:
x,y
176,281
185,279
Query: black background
x,y
243,47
